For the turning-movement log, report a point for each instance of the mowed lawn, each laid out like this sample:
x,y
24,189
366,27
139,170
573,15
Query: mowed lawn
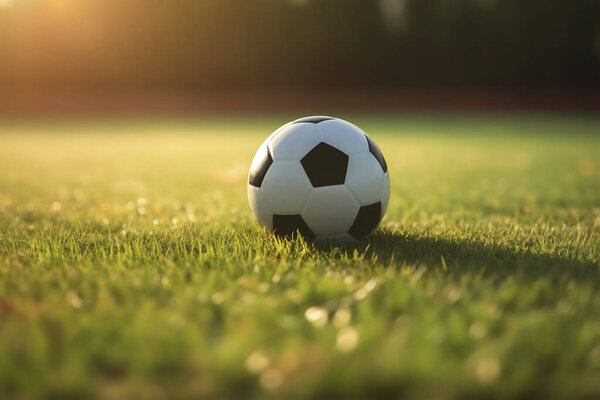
x,y
131,267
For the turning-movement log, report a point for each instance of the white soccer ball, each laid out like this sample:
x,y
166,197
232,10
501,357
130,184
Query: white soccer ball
x,y
322,177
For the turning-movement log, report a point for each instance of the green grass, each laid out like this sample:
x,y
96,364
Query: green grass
x,y
130,266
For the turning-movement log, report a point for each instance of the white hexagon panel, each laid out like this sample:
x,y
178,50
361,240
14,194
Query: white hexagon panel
x,y
286,187
330,210
293,141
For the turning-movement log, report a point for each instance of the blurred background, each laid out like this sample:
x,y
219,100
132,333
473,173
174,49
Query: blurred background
x,y
190,55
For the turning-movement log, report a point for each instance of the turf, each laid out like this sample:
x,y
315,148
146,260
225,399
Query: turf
x,y
130,265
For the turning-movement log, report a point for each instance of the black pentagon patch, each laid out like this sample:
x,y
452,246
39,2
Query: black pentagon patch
x,y
312,120
259,170
377,153
288,225
367,219
325,165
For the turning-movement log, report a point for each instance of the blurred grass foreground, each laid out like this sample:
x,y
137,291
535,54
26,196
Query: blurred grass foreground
x,y
130,266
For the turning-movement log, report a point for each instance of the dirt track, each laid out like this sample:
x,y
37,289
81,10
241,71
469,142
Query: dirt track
x,y
281,101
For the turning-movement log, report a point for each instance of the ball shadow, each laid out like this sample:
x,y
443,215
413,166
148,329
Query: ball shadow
x,y
461,257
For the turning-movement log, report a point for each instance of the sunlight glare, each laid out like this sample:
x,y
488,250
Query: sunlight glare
x,y
6,3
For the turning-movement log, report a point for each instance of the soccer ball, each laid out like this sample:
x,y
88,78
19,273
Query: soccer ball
x,y
322,177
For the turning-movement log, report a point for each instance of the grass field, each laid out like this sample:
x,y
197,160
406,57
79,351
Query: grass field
x,y
130,266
